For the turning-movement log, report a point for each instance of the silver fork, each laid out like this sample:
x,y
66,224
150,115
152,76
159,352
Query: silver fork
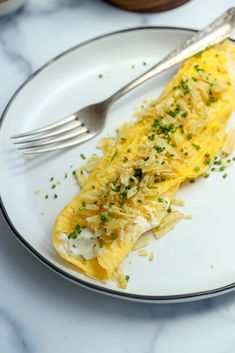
x,y
89,121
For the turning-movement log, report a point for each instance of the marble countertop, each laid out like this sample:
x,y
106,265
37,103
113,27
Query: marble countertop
x,y
41,312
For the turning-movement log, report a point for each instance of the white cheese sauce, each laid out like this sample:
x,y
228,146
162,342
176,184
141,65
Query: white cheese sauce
x,y
84,245
87,247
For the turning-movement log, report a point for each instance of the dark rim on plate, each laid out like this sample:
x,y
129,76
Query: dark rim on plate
x,y
83,283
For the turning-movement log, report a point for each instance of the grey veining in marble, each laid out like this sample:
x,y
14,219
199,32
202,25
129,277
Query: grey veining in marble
x,y
42,312
13,334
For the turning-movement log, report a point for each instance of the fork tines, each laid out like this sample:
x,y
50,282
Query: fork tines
x,y
53,137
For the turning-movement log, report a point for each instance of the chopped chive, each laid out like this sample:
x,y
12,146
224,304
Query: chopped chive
x,y
225,175
159,149
151,137
123,138
197,147
82,156
93,238
53,186
114,155
100,243
104,217
184,115
206,175
93,187
196,169
128,150
75,233
74,172
127,277
207,155
52,178
169,210
189,137
46,196
114,236
55,196
198,68
66,175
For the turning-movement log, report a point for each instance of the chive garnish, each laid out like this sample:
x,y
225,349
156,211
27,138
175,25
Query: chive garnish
x,y
197,147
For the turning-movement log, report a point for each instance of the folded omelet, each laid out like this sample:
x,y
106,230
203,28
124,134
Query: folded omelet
x,y
173,140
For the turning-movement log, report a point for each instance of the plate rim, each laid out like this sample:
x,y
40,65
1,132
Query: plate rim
x,y
161,299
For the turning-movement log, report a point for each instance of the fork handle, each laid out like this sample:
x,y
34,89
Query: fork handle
x,y
214,33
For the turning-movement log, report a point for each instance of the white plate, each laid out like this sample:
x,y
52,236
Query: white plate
x,y
196,259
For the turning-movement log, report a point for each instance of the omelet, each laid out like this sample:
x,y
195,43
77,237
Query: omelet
x,y
173,140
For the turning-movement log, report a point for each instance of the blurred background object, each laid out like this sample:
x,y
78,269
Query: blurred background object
x,y
8,6
147,5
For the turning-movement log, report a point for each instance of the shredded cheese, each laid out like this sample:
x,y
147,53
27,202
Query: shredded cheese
x,y
168,223
176,202
141,243
142,252
229,144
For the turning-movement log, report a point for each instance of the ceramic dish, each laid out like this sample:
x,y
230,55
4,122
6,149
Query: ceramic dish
x,y
196,259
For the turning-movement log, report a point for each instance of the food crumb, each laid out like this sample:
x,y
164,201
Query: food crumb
x,y
42,213
132,66
100,76
142,252
211,266
82,156
37,192
151,256
130,262
58,182
188,216
177,202
28,157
